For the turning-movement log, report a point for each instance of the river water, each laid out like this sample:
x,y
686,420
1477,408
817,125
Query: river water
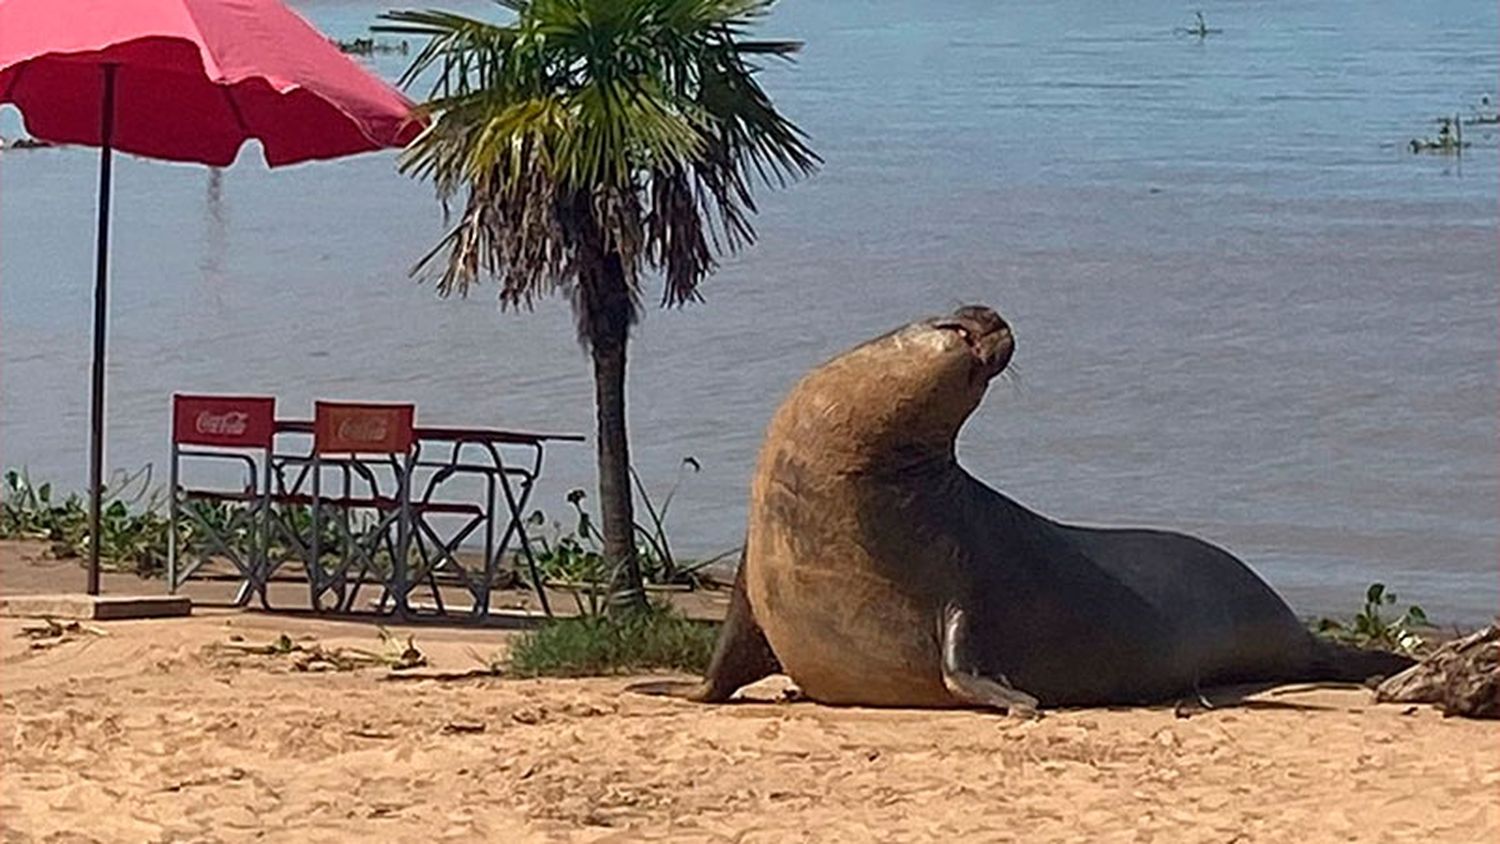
x,y
1243,307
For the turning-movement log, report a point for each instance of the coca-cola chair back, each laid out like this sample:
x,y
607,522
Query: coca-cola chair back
x,y
361,428
223,421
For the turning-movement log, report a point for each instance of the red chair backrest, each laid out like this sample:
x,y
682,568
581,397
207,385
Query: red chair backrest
x,y
226,421
351,428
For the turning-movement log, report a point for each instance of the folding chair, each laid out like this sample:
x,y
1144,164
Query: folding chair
x,y
346,436
220,429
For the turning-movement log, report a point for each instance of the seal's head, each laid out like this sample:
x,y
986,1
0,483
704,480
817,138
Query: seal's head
x,y
900,399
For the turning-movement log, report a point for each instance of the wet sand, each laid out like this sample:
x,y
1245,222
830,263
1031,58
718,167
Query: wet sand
x,y
154,731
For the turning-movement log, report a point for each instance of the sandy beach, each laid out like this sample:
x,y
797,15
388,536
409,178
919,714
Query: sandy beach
x,y
168,731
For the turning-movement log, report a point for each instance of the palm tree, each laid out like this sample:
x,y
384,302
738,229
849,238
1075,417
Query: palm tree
x,y
592,142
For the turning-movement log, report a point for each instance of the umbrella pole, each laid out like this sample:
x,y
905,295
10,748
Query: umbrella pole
x,y
96,409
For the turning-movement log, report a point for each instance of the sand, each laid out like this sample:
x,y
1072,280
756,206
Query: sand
x,y
150,732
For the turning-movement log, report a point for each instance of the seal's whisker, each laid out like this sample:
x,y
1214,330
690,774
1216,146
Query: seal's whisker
x,y
1012,375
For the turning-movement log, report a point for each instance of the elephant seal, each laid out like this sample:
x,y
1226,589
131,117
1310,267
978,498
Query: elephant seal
x,y
878,572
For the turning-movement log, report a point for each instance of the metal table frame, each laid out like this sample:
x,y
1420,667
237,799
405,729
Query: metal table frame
x,y
472,451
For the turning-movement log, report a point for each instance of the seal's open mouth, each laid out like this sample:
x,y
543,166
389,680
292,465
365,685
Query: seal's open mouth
x,y
987,335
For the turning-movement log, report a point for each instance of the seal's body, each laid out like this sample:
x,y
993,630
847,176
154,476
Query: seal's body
x,y
878,572
1068,615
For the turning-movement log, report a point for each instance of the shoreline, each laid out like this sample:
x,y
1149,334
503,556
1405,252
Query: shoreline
x,y
27,567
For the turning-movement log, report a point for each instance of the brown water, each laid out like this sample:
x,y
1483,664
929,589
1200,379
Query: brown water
x,y
1242,307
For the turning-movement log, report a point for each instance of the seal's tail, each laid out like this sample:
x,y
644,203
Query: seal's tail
x,y
1349,664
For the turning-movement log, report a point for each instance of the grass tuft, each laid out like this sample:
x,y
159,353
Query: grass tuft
x,y
656,639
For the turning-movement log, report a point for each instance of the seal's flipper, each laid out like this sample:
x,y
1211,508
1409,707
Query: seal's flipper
x,y
965,682
741,656
1337,661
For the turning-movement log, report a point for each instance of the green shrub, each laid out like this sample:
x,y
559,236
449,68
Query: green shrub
x,y
593,645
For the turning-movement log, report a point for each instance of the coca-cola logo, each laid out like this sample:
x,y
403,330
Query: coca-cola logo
x,y
364,429
231,423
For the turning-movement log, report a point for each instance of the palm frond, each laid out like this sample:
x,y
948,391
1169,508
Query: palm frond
x,y
782,49
461,48
589,140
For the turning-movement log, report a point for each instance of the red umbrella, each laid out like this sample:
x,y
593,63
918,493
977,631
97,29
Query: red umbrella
x,y
184,80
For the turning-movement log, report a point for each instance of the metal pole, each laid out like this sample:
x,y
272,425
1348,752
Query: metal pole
x,y
172,512
96,410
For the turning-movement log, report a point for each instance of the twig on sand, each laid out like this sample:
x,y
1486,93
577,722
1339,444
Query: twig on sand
x,y
491,667
282,644
232,775
404,660
316,658
371,733
51,628
455,727
445,676
50,633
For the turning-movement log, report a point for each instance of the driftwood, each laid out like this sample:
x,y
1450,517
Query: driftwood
x,y
1462,677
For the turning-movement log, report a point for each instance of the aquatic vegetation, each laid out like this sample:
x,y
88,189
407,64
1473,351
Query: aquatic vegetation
x,y
26,143
1370,628
371,47
1449,140
1199,30
1484,114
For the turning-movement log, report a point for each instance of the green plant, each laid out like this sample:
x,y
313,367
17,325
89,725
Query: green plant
x,y
575,556
655,638
24,507
563,554
1371,629
594,144
653,549
136,539
27,511
335,539
132,529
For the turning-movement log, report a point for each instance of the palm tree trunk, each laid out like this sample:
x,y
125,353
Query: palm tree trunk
x,y
609,333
